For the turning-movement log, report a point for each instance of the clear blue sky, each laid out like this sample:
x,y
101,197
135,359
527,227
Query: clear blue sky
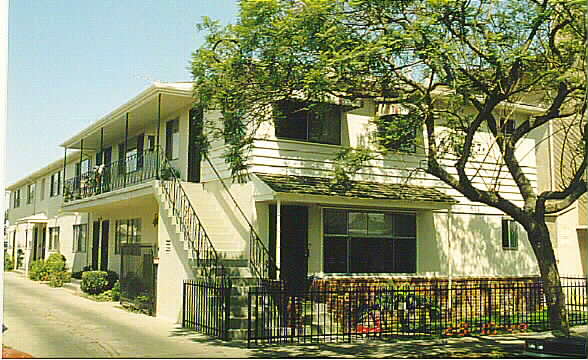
x,y
70,62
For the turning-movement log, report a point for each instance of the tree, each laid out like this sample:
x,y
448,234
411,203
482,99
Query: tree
x,y
434,58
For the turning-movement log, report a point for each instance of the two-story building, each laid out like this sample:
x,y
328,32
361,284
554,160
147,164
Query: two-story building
x,y
118,189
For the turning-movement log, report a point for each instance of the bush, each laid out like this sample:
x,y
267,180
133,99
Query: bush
x,y
94,282
8,263
112,278
57,279
78,274
55,263
38,271
116,291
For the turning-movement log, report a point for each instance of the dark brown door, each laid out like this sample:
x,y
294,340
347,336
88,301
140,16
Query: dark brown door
x,y
195,130
104,245
293,244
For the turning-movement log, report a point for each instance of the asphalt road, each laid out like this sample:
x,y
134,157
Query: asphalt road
x,y
53,322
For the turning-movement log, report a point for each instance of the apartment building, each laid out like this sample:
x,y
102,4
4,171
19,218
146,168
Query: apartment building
x,y
136,192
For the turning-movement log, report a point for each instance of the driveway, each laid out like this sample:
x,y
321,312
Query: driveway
x,y
53,322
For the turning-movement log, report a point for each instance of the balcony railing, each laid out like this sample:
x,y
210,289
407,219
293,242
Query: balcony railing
x,y
134,169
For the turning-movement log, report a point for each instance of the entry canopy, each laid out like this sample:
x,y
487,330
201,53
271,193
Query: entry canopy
x,y
311,185
37,218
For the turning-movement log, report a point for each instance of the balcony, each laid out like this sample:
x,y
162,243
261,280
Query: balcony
x,y
133,170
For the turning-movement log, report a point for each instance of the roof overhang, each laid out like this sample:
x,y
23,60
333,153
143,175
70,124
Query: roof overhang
x,y
142,109
300,189
54,166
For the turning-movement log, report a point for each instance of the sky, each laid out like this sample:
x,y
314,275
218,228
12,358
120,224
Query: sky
x,y
71,62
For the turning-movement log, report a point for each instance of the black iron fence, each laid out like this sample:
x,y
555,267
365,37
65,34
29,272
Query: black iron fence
x,y
132,170
277,315
206,306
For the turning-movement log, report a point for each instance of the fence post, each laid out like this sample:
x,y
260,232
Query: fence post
x,y
227,288
184,304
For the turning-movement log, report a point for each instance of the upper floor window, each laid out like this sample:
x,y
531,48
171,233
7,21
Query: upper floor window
x,y
172,139
55,184
42,190
30,193
16,198
510,234
321,124
397,132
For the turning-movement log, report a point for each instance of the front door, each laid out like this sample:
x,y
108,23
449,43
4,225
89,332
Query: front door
x,y
104,245
293,245
194,132
95,244
43,235
35,243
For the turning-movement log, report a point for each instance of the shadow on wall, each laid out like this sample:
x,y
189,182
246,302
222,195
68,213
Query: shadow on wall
x,y
78,262
476,248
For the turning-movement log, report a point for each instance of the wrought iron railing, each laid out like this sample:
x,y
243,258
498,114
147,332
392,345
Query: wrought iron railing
x,y
206,306
203,253
132,170
261,261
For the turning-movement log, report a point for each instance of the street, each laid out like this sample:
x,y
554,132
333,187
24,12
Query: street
x,y
52,322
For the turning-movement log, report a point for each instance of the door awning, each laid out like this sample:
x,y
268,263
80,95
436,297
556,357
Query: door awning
x,y
35,219
311,185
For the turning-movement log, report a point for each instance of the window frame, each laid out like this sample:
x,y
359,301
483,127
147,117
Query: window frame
x,y
285,110
349,238
55,189
43,188
124,237
78,230
172,139
16,199
509,228
53,245
31,188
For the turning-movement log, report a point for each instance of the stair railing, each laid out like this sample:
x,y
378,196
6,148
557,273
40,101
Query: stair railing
x,y
207,258
261,262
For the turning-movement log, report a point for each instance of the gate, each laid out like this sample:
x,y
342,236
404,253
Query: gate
x,y
137,277
206,306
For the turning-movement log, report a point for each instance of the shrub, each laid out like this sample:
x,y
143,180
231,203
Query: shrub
x,y
8,263
116,291
57,279
94,282
55,263
78,274
38,271
112,278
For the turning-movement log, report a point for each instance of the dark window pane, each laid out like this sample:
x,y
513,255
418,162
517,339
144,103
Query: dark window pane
x,y
405,225
380,224
335,222
325,127
291,121
335,255
405,255
371,255
357,223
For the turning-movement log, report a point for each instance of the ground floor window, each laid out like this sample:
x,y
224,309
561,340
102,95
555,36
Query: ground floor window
x,y
369,242
54,238
127,231
80,237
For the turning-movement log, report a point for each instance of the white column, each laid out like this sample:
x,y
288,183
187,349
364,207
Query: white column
x,y
278,235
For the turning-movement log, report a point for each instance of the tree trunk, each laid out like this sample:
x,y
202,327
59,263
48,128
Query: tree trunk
x,y
556,303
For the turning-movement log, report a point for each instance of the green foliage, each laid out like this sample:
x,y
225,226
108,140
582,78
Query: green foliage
x,y
168,173
347,162
38,271
78,274
112,278
94,282
8,263
55,263
116,291
57,279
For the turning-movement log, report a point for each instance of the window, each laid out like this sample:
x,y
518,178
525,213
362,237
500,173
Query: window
x,y
398,132
80,237
509,126
127,231
320,125
16,198
55,184
172,139
42,192
30,193
54,238
510,234
369,242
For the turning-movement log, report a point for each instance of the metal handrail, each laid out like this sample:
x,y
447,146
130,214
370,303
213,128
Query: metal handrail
x,y
207,257
259,255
